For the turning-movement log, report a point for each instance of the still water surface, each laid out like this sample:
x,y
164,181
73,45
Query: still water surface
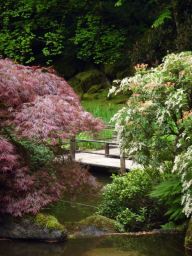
x,y
100,246
116,246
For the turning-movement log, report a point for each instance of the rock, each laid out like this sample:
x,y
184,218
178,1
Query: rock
x,y
88,97
95,225
188,237
41,228
82,82
94,89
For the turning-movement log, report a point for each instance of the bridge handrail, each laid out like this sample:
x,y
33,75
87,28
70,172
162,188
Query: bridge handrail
x,y
74,140
97,141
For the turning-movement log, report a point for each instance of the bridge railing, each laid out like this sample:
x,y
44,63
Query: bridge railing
x,y
107,144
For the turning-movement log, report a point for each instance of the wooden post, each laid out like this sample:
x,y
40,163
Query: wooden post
x,y
106,149
122,163
72,148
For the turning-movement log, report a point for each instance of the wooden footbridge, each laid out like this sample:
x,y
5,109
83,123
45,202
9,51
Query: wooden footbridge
x,y
108,157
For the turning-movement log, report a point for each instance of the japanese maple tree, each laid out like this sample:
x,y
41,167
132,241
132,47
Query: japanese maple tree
x,y
36,104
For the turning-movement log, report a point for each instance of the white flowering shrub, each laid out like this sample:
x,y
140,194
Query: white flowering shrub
x,y
155,128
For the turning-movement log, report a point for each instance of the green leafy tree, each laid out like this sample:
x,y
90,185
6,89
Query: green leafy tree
x,y
40,31
155,127
93,32
98,41
30,29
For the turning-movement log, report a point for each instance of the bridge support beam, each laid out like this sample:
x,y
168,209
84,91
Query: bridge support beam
x,y
122,164
72,148
107,150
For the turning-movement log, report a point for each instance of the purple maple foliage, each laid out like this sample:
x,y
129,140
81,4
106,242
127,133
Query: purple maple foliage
x,y
38,105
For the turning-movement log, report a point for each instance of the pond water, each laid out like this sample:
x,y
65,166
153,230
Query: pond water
x,y
81,207
116,246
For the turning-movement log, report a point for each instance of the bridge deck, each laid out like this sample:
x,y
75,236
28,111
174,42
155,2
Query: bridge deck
x,y
103,161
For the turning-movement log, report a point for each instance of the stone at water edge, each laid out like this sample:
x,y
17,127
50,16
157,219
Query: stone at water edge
x,y
188,237
94,225
30,229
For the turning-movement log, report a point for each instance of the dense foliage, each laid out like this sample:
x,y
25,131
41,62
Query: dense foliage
x,y
97,41
20,191
127,201
35,104
93,31
155,127
40,31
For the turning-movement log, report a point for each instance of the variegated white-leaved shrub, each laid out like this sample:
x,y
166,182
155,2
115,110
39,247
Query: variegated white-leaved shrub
x,y
155,127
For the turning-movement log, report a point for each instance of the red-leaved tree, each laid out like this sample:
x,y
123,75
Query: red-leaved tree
x,y
36,104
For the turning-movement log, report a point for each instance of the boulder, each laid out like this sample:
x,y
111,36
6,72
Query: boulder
x,y
41,228
82,82
88,97
95,225
94,88
188,237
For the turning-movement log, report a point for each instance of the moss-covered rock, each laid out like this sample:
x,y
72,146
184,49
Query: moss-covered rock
x,y
94,225
82,82
94,88
48,221
100,222
188,237
88,97
40,228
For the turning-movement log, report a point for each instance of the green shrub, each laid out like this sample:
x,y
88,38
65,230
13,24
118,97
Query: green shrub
x,y
128,219
127,200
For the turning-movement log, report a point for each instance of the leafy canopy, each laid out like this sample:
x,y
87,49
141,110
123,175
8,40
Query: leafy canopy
x,y
98,41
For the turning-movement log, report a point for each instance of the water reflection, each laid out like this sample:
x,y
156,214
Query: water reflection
x,y
116,246
77,207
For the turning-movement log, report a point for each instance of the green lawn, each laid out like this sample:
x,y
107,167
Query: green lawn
x,y
101,109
